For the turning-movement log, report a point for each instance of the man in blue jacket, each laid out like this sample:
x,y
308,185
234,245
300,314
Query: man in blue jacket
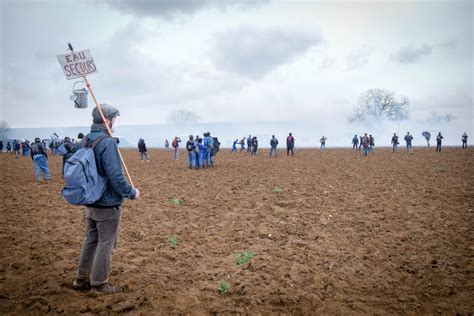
x,y
103,217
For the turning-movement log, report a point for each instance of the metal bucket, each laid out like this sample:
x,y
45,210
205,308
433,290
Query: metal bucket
x,y
79,97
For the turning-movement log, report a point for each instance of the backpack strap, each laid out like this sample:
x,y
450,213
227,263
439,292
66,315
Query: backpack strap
x,y
97,141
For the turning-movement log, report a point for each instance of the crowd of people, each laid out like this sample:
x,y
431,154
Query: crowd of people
x,y
104,214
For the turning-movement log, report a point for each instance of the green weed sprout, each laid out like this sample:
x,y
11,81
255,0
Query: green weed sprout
x,y
173,240
223,288
245,257
278,190
176,201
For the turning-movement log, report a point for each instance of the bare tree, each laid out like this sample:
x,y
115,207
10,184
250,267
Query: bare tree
x,y
4,127
435,117
377,105
183,116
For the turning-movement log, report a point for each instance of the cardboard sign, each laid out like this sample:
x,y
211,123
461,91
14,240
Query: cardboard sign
x,y
77,64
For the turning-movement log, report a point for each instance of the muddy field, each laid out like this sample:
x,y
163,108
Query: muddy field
x,y
332,232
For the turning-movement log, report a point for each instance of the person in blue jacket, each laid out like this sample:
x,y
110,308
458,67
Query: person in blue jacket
x,y
234,146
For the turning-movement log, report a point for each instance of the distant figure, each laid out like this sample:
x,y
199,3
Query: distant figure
x,y
394,142
408,139
273,146
207,141
371,143
175,145
142,150
9,147
200,153
234,146
1,145
464,140
323,142
427,136
365,144
254,146
355,142
16,148
242,144
167,144
439,140
68,151
360,142
40,160
249,143
290,145
78,144
191,148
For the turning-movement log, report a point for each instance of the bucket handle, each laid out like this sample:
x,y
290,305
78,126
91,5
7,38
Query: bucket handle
x,y
76,83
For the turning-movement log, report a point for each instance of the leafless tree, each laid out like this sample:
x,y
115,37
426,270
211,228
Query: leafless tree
x,y
436,117
377,105
183,116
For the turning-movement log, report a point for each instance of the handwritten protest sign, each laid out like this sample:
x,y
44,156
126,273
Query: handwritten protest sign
x,y
77,64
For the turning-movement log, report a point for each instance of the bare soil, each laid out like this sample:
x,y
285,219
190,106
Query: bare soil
x,y
332,232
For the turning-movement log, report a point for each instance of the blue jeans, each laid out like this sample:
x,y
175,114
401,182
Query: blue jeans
x,y
176,153
101,238
366,150
191,159
207,158
41,164
408,146
394,148
197,159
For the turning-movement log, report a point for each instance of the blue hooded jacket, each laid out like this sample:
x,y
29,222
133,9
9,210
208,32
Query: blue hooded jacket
x,y
109,166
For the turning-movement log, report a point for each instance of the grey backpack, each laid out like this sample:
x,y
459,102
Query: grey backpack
x,y
84,185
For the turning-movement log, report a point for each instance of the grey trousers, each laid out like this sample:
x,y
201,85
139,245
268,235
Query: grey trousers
x,y
101,236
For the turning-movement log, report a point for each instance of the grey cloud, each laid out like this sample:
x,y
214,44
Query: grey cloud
x,y
357,59
169,8
410,55
253,52
327,63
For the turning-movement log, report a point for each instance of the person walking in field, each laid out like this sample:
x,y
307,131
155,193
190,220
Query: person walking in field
x,y
254,146
234,146
191,148
175,145
68,151
9,148
394,142
273,146
371,143
242,144
143,150
323,142
408,139
439,140
200,153
249,144
360,142
355,142
103,216
365,144
290,144
464,140
40,160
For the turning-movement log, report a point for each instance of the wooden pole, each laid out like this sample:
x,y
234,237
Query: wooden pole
x,y
104,120
107,126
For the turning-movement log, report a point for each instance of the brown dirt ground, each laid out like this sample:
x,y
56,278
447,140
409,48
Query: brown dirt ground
x,y
384,234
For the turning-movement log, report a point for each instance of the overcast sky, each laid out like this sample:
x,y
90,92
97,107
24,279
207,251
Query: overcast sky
x,y
236,60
